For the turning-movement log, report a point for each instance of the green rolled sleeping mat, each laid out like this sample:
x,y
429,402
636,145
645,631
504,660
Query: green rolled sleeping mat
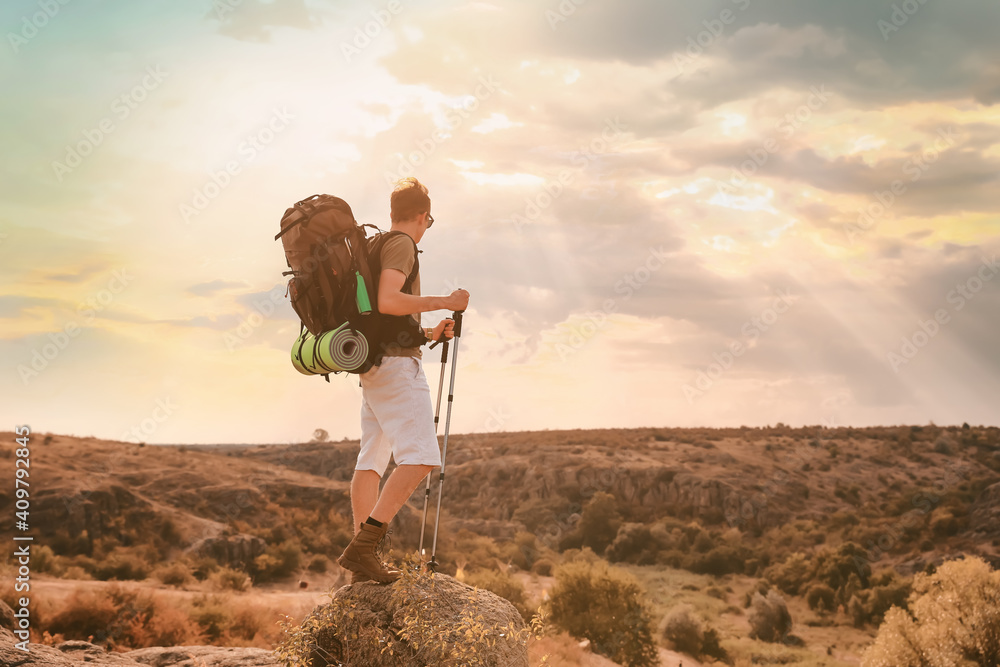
x,y
337,350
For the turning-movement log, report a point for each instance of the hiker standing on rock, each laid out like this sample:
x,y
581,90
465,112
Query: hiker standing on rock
x,y
396,414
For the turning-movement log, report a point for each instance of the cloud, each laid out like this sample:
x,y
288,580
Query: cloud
x,y
256,21
213,287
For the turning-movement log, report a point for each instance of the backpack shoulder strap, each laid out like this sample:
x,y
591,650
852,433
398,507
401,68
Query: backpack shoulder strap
x,y
376,253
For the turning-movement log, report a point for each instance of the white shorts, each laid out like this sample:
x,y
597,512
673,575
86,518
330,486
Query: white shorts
x,y
396,416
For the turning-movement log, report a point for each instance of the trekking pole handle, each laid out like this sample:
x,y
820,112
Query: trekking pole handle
x,y
457,316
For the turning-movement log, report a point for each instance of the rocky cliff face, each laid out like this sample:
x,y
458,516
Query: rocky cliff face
x,y
643,492
99,512
984,517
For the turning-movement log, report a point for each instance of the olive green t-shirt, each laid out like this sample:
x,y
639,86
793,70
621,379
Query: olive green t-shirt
x,y
398,253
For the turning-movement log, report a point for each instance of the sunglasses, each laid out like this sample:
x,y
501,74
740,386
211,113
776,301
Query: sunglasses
x,y
430,220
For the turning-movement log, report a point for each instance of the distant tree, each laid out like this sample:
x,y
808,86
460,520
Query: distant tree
x,y
953,619
600,521
633,543
320,435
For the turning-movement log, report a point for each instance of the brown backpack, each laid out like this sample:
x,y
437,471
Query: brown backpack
x,y
332,280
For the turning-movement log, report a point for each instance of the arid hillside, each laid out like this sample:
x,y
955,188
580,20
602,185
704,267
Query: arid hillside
x,y
837,520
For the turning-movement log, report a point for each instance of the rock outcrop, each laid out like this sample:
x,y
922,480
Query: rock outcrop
x,y
78,653
421,620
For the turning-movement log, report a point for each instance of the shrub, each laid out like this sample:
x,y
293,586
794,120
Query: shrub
x,y
719,561
279,561
543,567
634,544
522,550
711,646
944,523
228,579
504,585
43,559
769,618
605,605
599,521
684,630
943,445
203,566
75,572
820,597
539,515
598,526
247,622
213,615
121,564
870,605
85,615
167,626
953,619
177,573
319,564
121,616
790,575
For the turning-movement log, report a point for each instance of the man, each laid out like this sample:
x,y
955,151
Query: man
x,y
396,414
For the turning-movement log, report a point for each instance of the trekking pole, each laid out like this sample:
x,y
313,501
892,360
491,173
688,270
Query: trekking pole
x,y
437,413
432,565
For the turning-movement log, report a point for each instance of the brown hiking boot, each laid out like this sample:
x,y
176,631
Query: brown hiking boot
x,y
358,577
361,559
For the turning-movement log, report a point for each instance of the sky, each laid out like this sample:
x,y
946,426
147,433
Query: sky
x,y
722,213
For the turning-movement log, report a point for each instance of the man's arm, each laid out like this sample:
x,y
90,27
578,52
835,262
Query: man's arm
x,y
392,301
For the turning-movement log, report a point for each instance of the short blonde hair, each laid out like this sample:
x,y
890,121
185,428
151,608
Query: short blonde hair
x,y
409,198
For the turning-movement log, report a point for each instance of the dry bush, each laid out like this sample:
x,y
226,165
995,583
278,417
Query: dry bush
x,y
953,619
213,614
279,561
318,564
607,606
543,567
556,650
203,566
177,574
168,626
120,616
769,618
821,597
504,585
634,543
522,551
598,525
477,550
683,630
123,563
228,579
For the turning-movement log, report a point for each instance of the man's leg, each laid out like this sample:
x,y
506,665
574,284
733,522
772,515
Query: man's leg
x,y
364,494
402,482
